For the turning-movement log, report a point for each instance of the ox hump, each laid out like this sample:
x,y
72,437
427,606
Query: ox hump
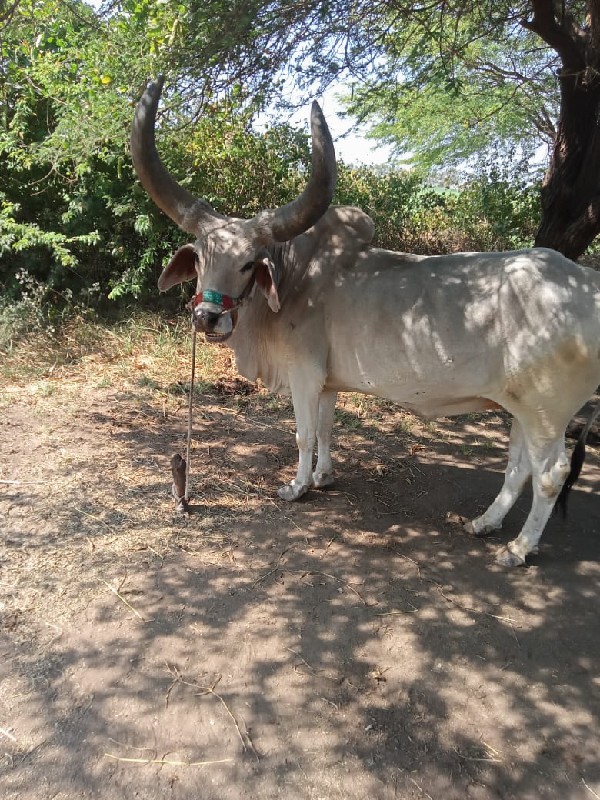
x,y
360,225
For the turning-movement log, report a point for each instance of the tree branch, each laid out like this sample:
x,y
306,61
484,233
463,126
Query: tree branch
x,y
544,124
6,14
564,37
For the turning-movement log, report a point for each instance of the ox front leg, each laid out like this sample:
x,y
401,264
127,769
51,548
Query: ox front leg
x,y
306,391
517,472
549,470
323,474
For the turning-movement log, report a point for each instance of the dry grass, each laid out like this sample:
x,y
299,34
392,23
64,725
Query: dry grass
x,y
95,350
148,352
91,413
86,479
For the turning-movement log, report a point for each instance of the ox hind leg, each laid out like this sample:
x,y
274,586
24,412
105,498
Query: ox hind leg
x,y
323,474
518,470
549,469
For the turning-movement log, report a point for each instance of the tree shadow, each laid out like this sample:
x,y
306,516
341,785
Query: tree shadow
x,y
356,644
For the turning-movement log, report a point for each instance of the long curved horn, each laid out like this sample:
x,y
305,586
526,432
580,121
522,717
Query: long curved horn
x,y
189,212
299,215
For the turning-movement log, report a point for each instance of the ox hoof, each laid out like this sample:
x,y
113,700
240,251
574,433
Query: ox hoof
x,y
292,491
322,479
476,528
506,558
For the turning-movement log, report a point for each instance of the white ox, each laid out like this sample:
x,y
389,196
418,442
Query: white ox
x,y
311,309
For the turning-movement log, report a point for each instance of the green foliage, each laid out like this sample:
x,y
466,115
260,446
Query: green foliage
x,y
76,227
491,211
69,200
238,170
393,199
460,82
498,211
16,237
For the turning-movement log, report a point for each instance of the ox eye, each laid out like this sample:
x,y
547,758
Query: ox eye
x,y
247,267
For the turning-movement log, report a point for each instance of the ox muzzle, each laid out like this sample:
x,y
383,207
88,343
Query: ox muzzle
x,y
214,314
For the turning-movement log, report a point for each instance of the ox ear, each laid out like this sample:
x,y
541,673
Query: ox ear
x,y
265,275
182,267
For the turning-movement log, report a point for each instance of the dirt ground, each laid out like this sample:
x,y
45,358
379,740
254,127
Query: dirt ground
x,y
354,645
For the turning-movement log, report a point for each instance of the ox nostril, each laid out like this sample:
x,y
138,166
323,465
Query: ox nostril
x,y
207,319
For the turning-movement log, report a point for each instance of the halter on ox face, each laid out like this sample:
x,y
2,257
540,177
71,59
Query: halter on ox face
x,y
227,262
230,256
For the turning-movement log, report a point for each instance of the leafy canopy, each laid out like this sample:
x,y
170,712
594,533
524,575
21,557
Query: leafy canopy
x,y
74,222
438,79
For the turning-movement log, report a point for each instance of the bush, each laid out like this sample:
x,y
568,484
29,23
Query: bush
x,y
489,212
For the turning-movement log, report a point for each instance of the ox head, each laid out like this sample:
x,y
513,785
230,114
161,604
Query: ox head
x,y
230,256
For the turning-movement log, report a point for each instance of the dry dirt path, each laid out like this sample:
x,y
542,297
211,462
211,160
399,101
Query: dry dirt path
x,y
353,645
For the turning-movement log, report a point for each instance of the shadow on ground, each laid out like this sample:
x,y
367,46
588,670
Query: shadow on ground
x,y
355,644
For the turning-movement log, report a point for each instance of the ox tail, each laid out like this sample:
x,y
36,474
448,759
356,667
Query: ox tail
x,y
577,459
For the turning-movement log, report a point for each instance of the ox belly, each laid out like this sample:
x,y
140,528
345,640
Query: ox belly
x,y
427,380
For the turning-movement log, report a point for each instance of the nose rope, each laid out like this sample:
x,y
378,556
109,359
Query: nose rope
x,y
228,304
180,467
190,420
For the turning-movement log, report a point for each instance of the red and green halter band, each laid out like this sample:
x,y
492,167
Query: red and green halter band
x,y
209,296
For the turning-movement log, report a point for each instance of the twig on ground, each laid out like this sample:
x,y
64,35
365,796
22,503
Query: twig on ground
x,y
428,796
275,568
329,543
95,517
205,690
290,520
303,573
304,661
448,599
491,749
328,575
590,790
23,483
156,553
167,761
250,491
253,421
490,758
462,607
122,599
412,610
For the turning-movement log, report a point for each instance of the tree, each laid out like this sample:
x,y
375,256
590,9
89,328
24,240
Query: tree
x,y
72,215
571,190
466,94
500,66
526,69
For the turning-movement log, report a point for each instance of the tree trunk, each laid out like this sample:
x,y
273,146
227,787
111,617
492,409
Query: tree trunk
x,y
571,188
